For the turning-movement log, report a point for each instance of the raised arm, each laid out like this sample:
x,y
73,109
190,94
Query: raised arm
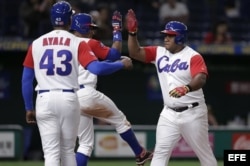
x,y
116,48
117,27
135,50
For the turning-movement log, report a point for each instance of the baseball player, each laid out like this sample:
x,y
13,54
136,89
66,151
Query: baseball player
x,y
53,59
182,73
94,103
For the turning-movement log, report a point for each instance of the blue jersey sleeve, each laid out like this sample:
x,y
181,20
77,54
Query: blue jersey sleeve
x,y
104,68
27,87
113,55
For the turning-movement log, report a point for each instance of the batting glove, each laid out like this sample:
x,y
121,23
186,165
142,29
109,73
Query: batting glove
x,y
131,22
117,21
179,91
117,26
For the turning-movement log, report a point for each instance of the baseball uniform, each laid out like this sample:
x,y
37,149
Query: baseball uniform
x,y
55,59
176,70
100,106
94,103
182,73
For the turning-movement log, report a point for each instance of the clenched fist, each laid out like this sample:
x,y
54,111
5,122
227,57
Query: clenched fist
x,y
179,91
131,21
30,116
127,62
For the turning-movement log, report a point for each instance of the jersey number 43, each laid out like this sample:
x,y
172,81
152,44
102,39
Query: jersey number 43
x,y
48,62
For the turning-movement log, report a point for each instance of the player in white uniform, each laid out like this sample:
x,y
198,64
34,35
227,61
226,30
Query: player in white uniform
x,y
53,59
94,103
182,73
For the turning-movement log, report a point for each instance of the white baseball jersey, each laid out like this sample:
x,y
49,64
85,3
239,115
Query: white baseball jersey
x,y
100,50
174,70
54,56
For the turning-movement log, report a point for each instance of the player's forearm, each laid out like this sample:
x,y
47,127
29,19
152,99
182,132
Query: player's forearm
x,y
116,49
117,40
104,68
113,55
198,81
117,45
133,46
27,88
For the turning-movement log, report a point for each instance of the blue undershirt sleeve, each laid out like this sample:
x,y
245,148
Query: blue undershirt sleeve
x,y
103,67
27,87
113,55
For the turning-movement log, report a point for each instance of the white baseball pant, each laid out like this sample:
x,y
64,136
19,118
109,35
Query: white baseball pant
x,y
101,107
57,115
190,124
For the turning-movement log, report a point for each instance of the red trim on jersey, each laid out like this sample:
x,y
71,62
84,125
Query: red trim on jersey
x,y
28,61
85,55
101,51
150,52
197,65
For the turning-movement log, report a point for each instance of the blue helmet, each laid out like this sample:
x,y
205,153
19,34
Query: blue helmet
x,y
176,28
60,14
82,23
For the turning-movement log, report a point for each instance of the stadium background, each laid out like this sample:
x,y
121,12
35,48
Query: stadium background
x,y
137,92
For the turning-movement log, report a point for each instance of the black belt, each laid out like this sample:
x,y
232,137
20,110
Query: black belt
x,y
63,90
82,86
180,109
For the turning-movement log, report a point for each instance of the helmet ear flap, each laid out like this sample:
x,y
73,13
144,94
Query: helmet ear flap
x,y
85,29
180,39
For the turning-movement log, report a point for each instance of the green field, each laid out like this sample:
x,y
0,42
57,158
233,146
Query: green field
x,y
106,163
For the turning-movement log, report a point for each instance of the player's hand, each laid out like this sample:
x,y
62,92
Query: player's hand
x,y
123,57
117,21
30,116
127,62
179,91
131,21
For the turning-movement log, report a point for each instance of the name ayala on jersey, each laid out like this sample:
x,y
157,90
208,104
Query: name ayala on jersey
x,y
163,65
56,41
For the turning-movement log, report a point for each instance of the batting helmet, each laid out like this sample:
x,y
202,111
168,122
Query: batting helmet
x,y
176,28
60,14
82,23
